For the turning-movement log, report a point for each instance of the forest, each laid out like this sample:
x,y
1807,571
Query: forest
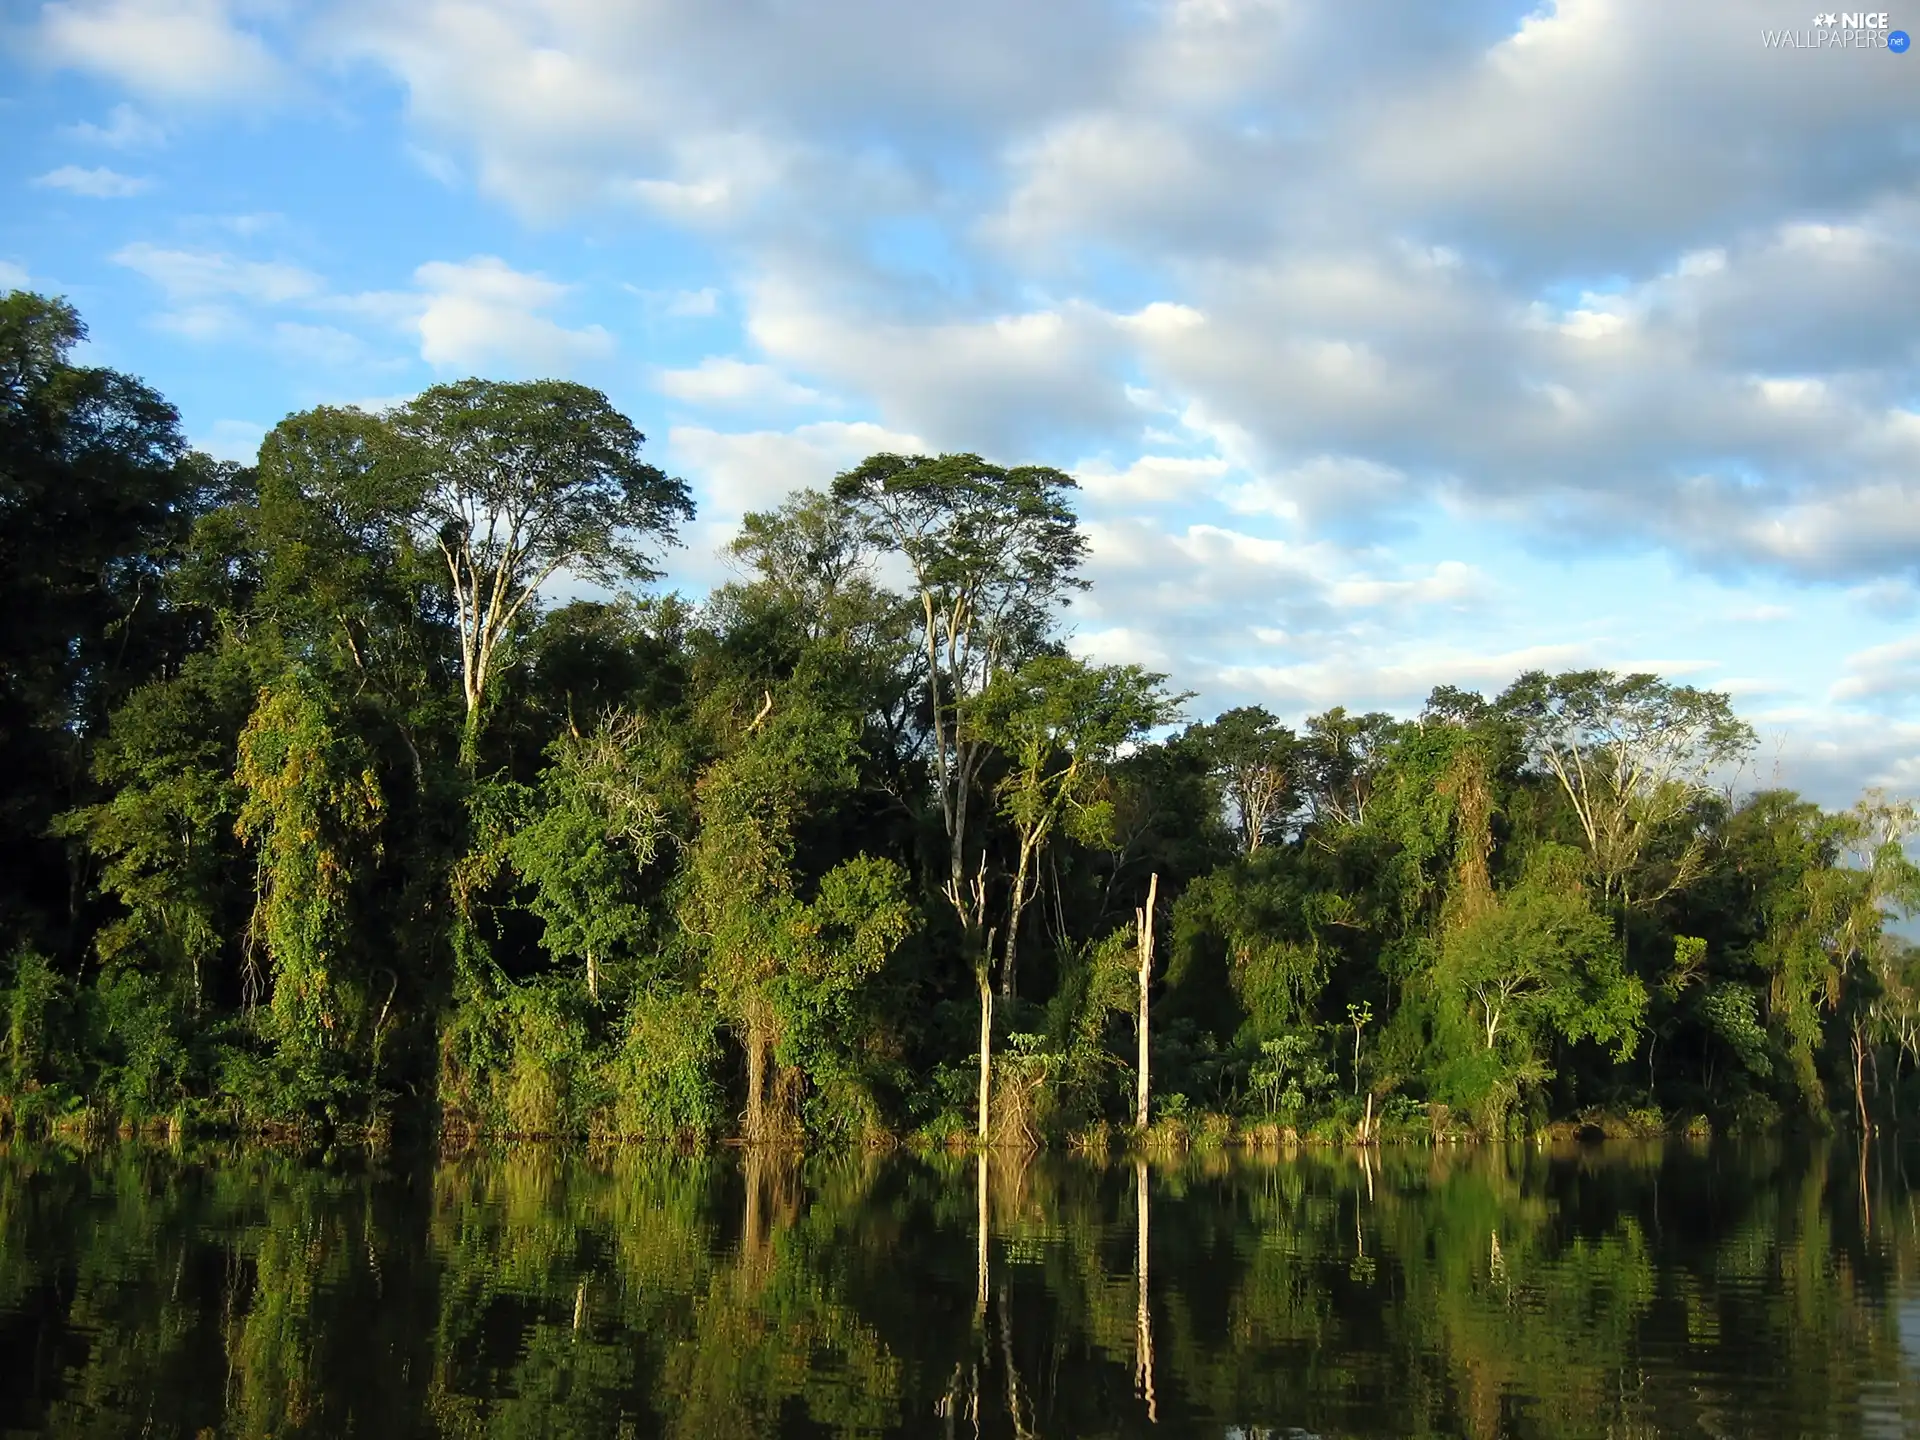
x,y
322,811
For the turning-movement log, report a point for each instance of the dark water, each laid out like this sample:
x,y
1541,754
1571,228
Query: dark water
x,y
1683,1290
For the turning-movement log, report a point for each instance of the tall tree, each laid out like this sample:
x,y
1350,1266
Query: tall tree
x,y
1258,761
782,965
992,551
1059,723
1341,759
603,815
97,490
1634,755
515,482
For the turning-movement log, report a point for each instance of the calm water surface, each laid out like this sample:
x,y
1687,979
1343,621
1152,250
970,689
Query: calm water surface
x,y
1722,1290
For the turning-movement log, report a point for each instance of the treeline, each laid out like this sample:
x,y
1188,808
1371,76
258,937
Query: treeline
x,y
317,812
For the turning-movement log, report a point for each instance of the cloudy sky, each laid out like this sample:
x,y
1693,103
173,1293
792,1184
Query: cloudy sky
x,y
1393,343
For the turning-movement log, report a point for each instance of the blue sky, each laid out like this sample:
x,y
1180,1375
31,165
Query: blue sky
x,y
1394,344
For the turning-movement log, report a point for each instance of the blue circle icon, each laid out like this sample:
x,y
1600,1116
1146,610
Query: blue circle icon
x,y
1898,41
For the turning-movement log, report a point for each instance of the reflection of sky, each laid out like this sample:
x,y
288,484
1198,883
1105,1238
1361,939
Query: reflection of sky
x,y
1508,338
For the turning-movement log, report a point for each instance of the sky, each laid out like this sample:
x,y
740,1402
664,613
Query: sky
x,y
1393,344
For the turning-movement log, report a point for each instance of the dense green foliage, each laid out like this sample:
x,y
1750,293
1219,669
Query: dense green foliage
x,y
319,808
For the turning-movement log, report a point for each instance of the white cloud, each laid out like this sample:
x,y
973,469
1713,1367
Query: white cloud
x,y
1883,673
12,276
1765,614
680,304
324,347
1319,486
482,313
738,471
1349,316
1451,583
169,49
720,179
1394,681
1151,479
190,275
126,129
98,183
478,314
692,109
1119,645
211,294
994,384
236,440
257,222
723,380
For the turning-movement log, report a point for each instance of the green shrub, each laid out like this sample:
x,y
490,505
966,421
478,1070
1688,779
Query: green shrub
x,y
659,1081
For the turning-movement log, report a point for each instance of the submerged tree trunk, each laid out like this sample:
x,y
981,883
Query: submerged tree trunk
x,y
1144,917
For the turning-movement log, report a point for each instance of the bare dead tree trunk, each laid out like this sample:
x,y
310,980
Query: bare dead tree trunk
x,y
1144,919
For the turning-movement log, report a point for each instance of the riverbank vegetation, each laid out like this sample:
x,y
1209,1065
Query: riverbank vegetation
x,y
322,808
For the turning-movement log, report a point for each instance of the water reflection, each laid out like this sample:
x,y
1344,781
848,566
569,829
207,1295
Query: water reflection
x,y
1758,1290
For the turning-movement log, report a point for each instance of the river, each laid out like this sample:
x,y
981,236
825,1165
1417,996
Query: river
x,y
1686,1288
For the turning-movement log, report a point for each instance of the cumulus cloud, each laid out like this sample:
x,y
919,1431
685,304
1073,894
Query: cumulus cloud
x,y
998,383
1609,266
1151,479
1392,681
482,313
476,314
1884,673
211,293
98,183
1297,285
208,274
738,471
126,129
170,49
690,108
723,380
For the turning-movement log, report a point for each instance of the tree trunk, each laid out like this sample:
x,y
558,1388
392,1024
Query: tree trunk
x,y
759,1044
1144,918
1859,1065
1016,907
986,1051
470,742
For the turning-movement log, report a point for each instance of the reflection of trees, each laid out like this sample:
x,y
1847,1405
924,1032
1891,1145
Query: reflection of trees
x,y
1475,1292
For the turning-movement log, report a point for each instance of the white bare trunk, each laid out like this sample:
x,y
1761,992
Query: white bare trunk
x,y
1144,918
